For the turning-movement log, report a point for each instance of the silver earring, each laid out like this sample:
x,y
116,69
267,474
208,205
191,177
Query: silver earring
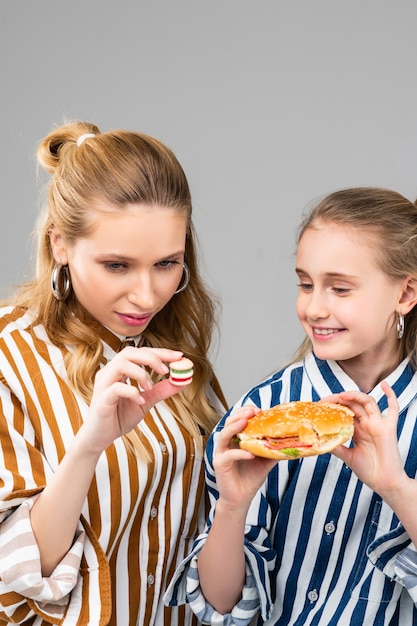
x,y
186,280
61,282
400,325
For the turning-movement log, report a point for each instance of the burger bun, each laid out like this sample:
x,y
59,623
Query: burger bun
x,y
297,429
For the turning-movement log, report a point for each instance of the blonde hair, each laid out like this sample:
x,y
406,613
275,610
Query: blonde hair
x,y
390,221
120,167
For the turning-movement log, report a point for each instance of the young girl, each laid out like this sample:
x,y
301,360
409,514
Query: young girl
x,y
101,478
327,540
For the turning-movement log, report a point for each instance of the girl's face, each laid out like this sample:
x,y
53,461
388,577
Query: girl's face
x,y
129,266
346,304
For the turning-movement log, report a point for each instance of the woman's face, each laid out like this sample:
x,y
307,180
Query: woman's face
x,y
128,267
346,304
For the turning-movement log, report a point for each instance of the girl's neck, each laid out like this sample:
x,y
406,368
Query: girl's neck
x,y
367,375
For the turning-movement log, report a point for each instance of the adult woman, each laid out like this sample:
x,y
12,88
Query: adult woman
x,y
101,475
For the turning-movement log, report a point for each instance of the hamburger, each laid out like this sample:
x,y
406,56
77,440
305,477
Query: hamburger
x,y
181,372
297,429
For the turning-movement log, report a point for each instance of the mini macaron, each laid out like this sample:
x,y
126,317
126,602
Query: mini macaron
x,y
181,372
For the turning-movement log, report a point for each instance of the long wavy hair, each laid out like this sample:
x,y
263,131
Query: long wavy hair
x,y
120,167
390,220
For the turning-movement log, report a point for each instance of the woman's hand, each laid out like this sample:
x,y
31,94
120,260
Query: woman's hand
x,y
116,405
239,473
375,456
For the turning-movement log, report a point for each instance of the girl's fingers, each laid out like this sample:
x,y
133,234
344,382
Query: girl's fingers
x,y
393,406
343,453
235,423
364,405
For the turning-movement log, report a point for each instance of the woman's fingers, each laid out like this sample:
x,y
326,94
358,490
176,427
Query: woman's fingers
x,y
130,364
160,391
121,405
154,358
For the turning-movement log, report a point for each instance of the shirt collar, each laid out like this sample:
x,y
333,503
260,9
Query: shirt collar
x,y
327,377
115,341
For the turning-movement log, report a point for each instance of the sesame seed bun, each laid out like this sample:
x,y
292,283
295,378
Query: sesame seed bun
x,y
297,429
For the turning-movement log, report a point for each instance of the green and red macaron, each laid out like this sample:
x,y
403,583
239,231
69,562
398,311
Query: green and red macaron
x,y
181,372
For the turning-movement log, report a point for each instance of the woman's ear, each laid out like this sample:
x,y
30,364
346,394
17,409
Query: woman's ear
x,y
58,247
408,297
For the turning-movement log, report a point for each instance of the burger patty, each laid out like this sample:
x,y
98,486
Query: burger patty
x,y
285,442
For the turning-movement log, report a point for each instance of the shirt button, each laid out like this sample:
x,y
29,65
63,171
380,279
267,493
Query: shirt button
x,y
154,512
313,596
163,447
151,580
330,528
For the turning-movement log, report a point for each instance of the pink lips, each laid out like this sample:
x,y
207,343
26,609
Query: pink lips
x,y
325,334
135,320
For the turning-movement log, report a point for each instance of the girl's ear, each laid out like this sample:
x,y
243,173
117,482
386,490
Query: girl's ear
x,y
408,297
58,247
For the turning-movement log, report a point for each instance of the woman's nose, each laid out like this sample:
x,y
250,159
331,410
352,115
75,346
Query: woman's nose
x,y
142,292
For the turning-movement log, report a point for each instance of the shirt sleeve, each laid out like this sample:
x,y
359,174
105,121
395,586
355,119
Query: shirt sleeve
x,y
20,569
185,588
396,556
260,560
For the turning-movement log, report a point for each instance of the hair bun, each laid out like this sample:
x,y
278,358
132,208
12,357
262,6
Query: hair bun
x,y
53,146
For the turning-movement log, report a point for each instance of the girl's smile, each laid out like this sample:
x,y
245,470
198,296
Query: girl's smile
x,y
325,333
346,304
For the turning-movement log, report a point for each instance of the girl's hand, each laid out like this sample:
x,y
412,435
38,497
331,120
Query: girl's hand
x,y
239,473
116,405
375,456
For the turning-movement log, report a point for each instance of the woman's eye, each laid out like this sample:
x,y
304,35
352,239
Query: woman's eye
x,y
115,267
167,265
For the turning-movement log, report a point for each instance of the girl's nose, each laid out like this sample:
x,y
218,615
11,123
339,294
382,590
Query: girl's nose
x,y
317,306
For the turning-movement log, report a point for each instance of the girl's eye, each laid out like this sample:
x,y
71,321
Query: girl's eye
x,y
305,286
341,290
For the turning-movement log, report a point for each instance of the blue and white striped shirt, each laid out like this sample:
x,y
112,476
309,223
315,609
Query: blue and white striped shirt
x,y
321,548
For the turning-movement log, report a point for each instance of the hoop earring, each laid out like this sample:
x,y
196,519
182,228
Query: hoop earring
x,y
61,282
186,279
400,325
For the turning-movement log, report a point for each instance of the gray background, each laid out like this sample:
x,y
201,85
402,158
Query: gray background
x,y
268,104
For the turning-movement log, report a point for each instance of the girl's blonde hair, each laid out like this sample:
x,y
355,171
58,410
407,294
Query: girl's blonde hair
x,y
390,220
120,167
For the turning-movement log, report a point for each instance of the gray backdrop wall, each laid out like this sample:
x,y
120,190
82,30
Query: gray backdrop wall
x,y
268,104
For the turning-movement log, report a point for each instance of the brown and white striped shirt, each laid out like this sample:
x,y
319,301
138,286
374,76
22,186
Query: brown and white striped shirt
x,y
138,522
